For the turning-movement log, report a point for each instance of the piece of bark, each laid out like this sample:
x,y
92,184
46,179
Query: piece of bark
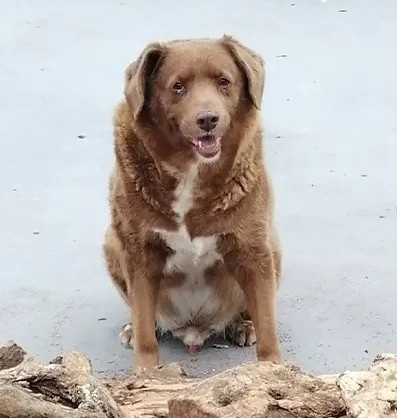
x,y
329,378
29,390
146,394
259,390
372,393
11,355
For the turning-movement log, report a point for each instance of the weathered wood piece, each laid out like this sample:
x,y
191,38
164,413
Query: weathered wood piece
x,y
372,393
147,393
260,390
66,388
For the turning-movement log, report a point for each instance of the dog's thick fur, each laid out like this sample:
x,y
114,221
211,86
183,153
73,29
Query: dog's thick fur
x,y
192,244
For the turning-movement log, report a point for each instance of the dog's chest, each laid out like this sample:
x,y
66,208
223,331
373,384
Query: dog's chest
x,y
192,257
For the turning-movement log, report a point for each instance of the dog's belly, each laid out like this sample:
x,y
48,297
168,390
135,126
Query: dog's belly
x,y
195,301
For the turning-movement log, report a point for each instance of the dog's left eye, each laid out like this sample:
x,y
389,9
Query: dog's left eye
x,y
177,87
223,82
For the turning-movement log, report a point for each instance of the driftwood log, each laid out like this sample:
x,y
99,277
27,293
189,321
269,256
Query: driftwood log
x,y
67,388
63,389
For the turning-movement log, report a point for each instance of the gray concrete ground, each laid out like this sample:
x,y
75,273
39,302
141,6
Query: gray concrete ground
x,y
330,109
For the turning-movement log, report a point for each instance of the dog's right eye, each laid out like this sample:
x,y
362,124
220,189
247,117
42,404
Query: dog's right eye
x,y
178,87
223,82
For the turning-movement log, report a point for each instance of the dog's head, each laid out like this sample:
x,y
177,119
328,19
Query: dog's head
x,y
193,92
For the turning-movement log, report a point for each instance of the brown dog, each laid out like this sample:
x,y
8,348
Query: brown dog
x,y
192,246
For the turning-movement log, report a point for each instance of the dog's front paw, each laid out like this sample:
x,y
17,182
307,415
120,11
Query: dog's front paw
x,y
241,332
273,356
126,336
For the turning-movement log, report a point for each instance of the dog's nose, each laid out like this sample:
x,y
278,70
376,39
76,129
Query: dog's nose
x,y
207,120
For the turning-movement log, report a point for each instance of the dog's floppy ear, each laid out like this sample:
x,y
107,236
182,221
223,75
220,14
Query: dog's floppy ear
x,y
138,74
252,66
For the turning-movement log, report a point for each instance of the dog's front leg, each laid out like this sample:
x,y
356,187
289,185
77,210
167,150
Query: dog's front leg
x,y
143,294
255,272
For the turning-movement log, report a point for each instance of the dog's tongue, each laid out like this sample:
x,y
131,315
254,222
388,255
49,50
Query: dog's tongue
x,y
208,147
192,349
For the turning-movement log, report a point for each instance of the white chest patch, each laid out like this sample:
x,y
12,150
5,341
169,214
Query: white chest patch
x,y
191,257
184,193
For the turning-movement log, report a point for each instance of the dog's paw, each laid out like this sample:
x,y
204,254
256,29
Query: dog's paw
x,y
241,333
126,336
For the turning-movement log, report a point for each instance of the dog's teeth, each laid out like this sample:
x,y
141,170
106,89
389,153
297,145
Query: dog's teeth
x,y
207,144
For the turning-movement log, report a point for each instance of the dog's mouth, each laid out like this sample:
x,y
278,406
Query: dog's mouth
x,y
207,145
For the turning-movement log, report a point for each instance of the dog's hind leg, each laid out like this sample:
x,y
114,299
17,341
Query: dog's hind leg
x,y
241,331
112,249
126,335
